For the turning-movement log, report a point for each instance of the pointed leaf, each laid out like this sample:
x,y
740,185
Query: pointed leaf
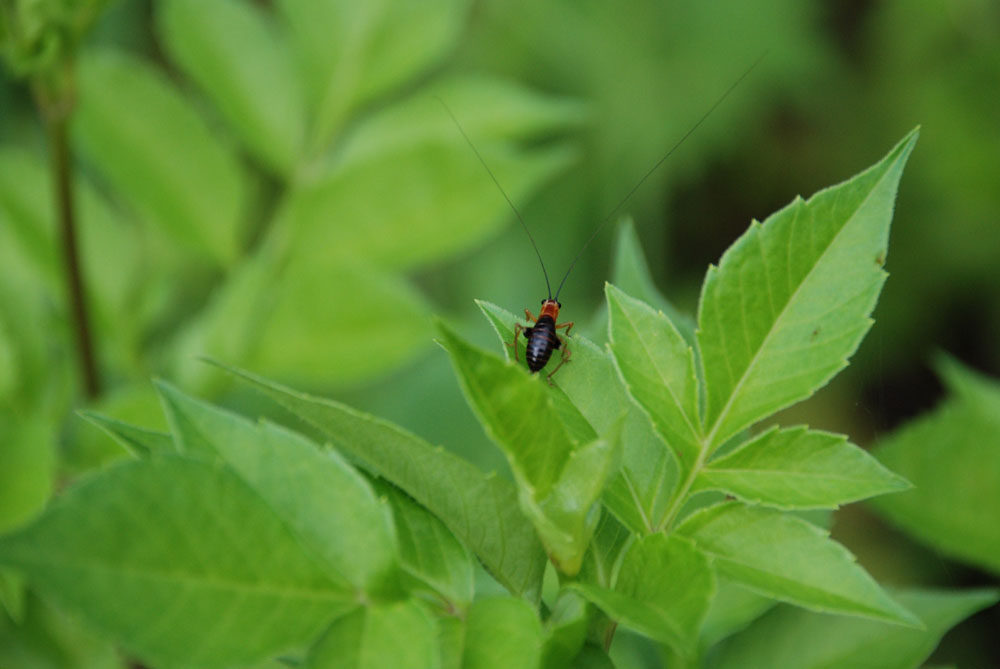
x,y
658,368
401,635
428,551
240,60
733,608
442,203
663,591
322,498
165,162
789,559
952,455
139,441
605,553
502,632
480,509
639,492
776,640
169,556
630,274
799,468
350,53
790,300
559,480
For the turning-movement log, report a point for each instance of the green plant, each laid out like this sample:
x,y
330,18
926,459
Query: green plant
x,y
228,542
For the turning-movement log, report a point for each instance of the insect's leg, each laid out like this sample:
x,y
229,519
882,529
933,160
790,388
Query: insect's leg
x,y
517,333
568,326
527,313
565,358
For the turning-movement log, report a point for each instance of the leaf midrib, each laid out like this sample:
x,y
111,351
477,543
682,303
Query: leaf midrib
x,y
710,438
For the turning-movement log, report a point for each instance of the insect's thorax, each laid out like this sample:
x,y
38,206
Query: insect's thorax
x,y
550,308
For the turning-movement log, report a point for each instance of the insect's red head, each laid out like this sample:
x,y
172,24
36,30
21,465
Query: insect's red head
x,y
550,308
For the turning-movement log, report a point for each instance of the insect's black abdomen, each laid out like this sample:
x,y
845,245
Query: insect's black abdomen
x,y
542,340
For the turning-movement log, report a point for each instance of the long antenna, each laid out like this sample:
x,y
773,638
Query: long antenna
x,y
655,167
502,191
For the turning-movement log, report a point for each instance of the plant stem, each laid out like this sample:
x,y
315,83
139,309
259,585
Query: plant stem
x,y
682,491
56,122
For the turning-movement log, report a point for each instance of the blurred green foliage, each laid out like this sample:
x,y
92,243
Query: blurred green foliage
x,y
274,184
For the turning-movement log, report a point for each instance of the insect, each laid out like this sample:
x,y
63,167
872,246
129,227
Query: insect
x,y
543,336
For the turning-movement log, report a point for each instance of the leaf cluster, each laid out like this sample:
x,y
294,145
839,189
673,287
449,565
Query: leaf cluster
x,y
225,541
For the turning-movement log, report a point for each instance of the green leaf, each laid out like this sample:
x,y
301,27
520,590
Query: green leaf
x,y
630,274
241,62
732,609
349,53
27,467
565,630
789,559
339,322
138,441
47,638
323,500
592,657
776,640
559,479
315,323
119,409
13,591
165,162
442,201
26,205
799,468
790,300
663,591
605,553
639,492
429,551
657,366
400,635
952,456
479,509
170,556
502,632
517,412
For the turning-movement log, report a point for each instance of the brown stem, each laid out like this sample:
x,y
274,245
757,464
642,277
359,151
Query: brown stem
x,y
56,126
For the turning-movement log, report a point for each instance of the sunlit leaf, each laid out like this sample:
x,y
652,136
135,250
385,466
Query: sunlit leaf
x,y
631,275
502,632
798,468
663,591
639,492
169,555
787,558
400,634
559,478
480,509
790,300
139,441
658,368
316,493
428,550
